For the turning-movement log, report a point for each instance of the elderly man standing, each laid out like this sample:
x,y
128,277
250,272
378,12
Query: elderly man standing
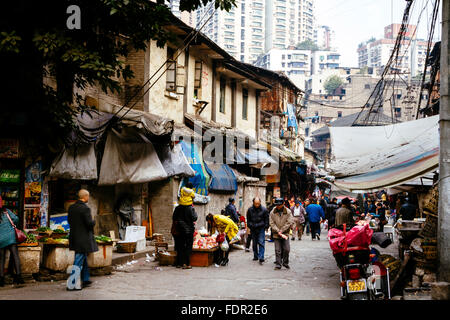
x,y
281,222
81,237
258,222
299,214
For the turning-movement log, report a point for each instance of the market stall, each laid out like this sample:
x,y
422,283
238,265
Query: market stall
x,y
203,249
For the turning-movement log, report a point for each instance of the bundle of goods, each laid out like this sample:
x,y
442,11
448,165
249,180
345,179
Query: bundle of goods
x,y
358,236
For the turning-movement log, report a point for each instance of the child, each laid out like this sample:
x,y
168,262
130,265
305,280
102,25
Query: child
x,y
187,195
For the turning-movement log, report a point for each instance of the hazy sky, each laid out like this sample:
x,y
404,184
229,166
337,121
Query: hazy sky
x,y
355,21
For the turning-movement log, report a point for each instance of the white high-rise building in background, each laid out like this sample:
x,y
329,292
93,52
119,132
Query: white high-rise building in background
x,y
254,27
288,22
324,37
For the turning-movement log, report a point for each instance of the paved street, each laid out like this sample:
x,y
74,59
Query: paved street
x,y
313,275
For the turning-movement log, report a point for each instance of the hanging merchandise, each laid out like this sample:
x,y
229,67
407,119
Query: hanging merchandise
x,y
201,178
292,119
33,190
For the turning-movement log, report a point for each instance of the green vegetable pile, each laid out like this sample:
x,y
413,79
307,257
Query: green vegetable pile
x,y
43,229
103,239
59,231
30,238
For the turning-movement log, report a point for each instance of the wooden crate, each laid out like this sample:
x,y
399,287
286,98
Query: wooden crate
x,y
202,257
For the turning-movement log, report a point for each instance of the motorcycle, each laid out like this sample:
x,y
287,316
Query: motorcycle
x,y
362,276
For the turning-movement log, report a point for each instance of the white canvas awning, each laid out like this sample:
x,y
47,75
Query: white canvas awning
x,y
372,158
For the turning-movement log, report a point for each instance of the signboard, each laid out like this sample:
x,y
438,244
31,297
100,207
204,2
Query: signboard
x,y
11,176
59,220
9,148
134,233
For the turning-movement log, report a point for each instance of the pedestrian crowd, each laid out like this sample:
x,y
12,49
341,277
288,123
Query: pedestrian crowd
x,y
285,220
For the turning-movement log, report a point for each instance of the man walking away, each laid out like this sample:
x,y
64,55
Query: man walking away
x,y
408,210
81,236
331,213
281,222
299,217
231,212
344,214
315,215
258,222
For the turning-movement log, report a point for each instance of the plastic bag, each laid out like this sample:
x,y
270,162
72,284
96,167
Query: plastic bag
x,y
224,246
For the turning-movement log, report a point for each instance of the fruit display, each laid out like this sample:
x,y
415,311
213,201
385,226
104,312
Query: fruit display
x,y
204,242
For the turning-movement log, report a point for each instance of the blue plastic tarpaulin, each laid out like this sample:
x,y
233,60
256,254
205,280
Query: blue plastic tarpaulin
x,y
222,177
201,178
292,118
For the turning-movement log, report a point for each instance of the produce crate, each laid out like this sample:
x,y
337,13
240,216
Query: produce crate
x,y
167,259
202,257
126,247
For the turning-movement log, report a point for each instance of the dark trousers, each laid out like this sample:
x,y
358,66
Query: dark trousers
x,y
249,241
315,229
307,226
220,255
282,248
183,247
13,259
259,241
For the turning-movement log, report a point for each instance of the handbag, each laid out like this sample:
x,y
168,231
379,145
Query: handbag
x,y
20,235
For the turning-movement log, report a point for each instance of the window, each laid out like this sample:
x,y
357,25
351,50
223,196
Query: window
x,y
243,21
367,86
244,104
339,114
171,73
283,64
242,34
198,75
289,57
398,112
222,95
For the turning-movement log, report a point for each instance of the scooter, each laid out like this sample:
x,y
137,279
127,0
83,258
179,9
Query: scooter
x,y
362,276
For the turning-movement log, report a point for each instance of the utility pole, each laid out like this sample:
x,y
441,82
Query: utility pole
x,y
444,157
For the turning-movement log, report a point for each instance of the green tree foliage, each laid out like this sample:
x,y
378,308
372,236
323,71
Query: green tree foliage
x,y
332,83
36,44
307,45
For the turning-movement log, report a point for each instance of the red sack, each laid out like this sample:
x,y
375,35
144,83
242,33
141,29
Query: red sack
x,y
358,236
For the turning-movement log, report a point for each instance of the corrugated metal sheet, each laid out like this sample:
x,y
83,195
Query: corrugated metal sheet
x,y
372,158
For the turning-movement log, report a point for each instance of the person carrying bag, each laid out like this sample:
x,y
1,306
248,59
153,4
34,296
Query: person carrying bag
x,y
10,236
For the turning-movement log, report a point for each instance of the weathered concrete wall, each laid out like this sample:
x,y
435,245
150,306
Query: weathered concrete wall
x,y
248,126
251,191
159,102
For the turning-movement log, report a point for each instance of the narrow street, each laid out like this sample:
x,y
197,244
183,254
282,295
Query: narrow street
x,y
313,276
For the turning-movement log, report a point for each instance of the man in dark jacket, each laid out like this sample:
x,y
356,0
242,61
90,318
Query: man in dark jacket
x,y
408,210
231,212
81,239
184,218
331,213
258,222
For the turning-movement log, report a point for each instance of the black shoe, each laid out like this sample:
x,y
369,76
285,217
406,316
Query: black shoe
x,y
286,266
261,261
18,279
318,238
2,281
255,259
277,267
86,284
224,262
292,239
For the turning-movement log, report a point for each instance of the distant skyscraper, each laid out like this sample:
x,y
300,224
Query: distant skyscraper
x,y
288,22
254,26
324,37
